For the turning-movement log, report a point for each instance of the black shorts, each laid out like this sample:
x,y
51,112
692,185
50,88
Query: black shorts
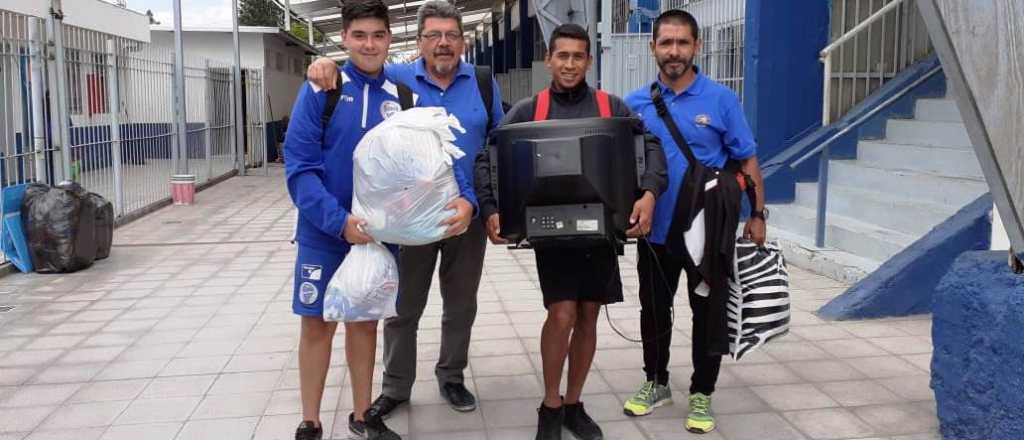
x,y
579,275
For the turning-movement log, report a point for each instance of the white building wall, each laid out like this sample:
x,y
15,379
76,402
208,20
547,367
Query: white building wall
x,y
282,79
217,47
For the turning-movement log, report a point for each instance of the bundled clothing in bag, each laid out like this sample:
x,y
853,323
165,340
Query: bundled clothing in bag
x,y
403,181
403,177
758,297
365,286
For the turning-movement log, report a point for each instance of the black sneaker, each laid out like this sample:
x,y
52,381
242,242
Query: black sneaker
x,y
579,423
309,431
384,405
458,397
549,423
376,429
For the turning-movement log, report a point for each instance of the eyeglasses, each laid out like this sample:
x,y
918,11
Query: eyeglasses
x,y
436,36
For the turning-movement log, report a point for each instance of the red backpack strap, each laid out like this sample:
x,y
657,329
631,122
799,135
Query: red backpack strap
x,y
540,112
604,105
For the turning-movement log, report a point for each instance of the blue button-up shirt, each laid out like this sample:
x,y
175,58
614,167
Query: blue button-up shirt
x,y
461,98
711,119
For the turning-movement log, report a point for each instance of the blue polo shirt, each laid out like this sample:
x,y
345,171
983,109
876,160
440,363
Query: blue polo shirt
x,y
710,117
462,98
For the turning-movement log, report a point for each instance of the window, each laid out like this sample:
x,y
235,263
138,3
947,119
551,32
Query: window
x,y
297,66
279,61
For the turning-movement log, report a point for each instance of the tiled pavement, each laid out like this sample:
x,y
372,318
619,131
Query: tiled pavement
x,y
186,333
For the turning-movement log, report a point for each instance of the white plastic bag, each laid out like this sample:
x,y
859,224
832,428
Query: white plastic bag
x,y
365,286
402,176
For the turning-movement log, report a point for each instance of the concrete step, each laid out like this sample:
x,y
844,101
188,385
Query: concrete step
x,y
915,185
937,110
913,132
862,239
909,216
836,264
954,162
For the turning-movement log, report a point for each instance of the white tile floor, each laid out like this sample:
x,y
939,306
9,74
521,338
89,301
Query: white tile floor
x,y
186,332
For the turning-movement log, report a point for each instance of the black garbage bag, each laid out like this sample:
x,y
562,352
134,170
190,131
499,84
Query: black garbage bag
x,y
104,224
60,226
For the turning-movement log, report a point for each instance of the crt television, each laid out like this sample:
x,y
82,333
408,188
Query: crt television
x,y
567,182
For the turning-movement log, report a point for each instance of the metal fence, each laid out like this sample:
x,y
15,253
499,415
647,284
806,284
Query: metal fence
x,y
864,60
628,64
110,100
23,150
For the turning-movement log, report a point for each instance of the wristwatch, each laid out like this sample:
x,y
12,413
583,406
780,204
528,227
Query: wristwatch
x,y
762,214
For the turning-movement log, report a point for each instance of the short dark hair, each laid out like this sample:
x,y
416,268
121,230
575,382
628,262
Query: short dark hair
x,y
677,16
353,10
571,31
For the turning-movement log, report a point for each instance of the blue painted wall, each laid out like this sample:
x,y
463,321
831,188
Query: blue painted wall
x,y
150,141
642,18
904,285
977,329
782,75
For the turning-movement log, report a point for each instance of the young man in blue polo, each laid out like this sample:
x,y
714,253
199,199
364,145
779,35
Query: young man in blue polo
x,y
710,118
319,148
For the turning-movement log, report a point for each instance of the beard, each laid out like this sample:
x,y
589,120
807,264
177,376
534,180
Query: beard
x,y
674,72
444,67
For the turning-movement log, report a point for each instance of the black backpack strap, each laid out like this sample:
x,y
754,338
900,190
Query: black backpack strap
x,y
673,129
332,102
483,82
405,97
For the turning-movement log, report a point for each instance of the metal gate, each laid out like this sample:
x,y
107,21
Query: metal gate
x,y
110,100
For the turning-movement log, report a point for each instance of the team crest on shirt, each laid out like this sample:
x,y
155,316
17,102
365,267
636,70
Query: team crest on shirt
x,y
702,120
389,108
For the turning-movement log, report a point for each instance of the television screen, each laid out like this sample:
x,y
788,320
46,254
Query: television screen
x,y
568,179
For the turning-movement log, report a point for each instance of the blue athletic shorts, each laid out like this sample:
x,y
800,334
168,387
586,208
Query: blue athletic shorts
x,y
313,270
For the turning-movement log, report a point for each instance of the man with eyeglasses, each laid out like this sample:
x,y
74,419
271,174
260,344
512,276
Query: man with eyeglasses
x,y
438,79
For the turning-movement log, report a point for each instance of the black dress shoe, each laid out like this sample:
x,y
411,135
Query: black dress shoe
x,y
458,397
384,405
309,431
376,429
579,423
549,423
370,429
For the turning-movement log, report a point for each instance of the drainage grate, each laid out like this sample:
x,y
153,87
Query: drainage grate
x,y
5,309
172,222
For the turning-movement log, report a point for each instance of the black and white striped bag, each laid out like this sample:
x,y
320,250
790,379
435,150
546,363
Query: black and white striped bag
x,y
758,308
